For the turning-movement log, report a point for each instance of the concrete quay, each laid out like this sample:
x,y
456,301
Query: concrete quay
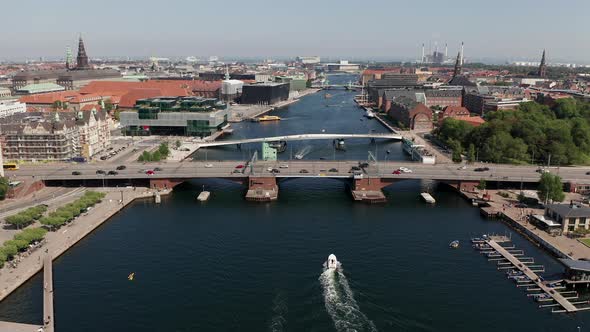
x,y
56,243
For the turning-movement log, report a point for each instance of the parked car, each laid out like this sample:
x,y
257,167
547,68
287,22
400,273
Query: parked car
x,y
113,173
157,169
122,167
208,165
100,171
303,171
76,173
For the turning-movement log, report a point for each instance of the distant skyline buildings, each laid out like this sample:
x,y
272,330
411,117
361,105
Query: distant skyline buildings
x,y
376,29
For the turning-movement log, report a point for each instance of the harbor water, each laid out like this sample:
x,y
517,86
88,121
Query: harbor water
x,y
232,265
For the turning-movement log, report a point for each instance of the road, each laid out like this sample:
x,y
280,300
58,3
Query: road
x,y
226,169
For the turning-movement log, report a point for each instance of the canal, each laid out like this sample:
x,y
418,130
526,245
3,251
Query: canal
x,y
232,265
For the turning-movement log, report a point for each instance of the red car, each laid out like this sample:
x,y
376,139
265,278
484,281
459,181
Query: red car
x,y
240,166
397,171
149,172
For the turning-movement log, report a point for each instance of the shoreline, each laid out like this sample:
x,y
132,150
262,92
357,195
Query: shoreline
x,y
57,243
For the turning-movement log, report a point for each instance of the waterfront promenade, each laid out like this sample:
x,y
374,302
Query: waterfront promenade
x,y
61,240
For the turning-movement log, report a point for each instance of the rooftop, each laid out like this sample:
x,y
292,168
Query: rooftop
x,y
573,264
570,210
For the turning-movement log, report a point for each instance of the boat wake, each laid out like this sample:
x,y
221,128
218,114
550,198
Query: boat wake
x,y
341,305
303,152
279,313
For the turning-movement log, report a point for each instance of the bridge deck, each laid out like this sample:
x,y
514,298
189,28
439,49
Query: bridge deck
x,y
533,276
19,327
302,137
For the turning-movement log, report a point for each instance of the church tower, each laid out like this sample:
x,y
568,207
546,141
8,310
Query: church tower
x,y
82,59
542,67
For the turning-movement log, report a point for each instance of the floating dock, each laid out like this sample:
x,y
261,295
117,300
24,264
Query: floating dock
x,y
428,198
203,196
533,279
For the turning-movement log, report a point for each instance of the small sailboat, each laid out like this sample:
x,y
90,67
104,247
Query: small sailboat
x,y
131,276
454,244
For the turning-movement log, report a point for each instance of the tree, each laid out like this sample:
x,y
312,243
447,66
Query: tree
x,y
164,150
550,188
156,156
3,187
178,144
457,150
471,153
482,184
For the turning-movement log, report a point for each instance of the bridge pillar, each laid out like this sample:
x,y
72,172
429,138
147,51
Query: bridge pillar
x,y
467,186
368,190
262,189
164,183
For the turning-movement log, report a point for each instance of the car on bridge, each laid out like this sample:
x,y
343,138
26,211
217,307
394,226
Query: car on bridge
x,y
100,171
122,167
397,172
158,169
239,166
76,173
303,171
149,172
482,169
405,170
363,165
112,173
333,170
208,165
284,166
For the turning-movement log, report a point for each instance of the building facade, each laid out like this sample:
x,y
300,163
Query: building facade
x,y
187,116
10,107
265,93
411,114
571,216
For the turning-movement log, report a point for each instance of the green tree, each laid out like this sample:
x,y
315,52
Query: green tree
x,y
457,150
164,150
3,187
156,156
471,153
550,188
178,144
482,184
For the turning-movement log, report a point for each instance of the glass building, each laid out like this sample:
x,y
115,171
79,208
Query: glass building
x,y
184,116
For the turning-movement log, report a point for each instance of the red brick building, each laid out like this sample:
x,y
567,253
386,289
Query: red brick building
x,y
411,114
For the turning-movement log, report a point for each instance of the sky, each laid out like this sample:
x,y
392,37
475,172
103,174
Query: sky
x,y
379,29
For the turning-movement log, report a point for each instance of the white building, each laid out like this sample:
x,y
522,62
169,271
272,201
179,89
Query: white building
x,y
10,107
5,92
309,59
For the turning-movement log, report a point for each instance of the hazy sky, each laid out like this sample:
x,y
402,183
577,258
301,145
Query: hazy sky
x,y
503,29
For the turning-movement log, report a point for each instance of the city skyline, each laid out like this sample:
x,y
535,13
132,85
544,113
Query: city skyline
x,y
263,29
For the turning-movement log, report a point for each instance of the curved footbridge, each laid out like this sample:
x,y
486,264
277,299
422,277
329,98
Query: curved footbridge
x,y
301,137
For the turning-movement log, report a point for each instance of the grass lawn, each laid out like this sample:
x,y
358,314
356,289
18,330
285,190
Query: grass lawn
x,y
585,241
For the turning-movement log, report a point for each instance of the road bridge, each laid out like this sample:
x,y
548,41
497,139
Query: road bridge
x,y
302,137
373,178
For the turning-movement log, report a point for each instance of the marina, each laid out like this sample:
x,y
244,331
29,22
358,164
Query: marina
x,y
525,273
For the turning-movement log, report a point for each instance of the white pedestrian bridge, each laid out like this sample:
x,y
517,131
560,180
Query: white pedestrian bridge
x,y
302,137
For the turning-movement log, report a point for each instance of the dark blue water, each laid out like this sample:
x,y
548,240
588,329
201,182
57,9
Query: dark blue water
x,y
231,265
313,114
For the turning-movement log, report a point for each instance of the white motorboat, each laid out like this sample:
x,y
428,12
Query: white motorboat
x,y
332,263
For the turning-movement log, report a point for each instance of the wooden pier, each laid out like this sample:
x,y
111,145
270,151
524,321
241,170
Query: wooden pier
x,y
533,277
